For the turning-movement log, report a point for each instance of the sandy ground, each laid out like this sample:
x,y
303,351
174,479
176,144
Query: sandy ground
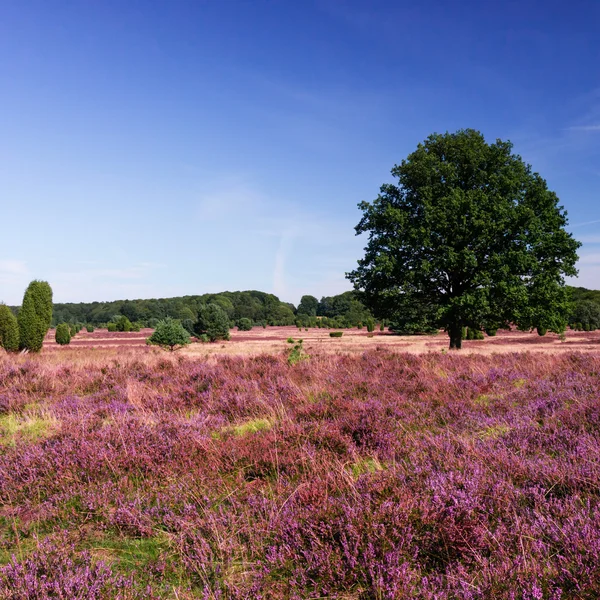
x,y
354,341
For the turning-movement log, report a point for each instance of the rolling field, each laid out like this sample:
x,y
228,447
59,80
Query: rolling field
x,y
131,473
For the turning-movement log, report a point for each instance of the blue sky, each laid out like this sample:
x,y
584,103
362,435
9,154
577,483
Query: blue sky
x,y
159,148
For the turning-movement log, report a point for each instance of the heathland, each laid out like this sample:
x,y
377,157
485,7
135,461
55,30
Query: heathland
x,y
135,473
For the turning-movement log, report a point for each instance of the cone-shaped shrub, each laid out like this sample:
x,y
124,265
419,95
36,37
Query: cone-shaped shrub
x,y
62,334
9,329
35,316
170,334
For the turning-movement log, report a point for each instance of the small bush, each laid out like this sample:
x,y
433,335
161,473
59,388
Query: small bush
x,y
370,325
491,332
111,327
62,335
478,335
89,328
542,330
336,334
290,340
123,324
9,329
245,324
381,327
170,334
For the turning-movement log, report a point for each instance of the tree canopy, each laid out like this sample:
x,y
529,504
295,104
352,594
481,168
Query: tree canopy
x,y
170,334
469,235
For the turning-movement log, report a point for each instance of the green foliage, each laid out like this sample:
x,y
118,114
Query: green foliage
x,y
296,354
111,327
35,316
244,324
212,321
62,335
89,328
585,312
381,327
189,325
72,329
9,329
542,331
370,325
469,234
169,334
308,306
336,334
491,332
123,324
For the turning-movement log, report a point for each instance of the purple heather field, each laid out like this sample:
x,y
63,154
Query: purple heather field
x,y
377,476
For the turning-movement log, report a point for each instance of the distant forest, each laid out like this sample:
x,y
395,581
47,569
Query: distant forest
x,y
343,310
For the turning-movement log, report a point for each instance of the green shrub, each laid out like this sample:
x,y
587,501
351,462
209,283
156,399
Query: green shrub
x,y
290,340
381,327
111,327
152,322
370,325
478,334
9,329
491,332
35,316
336,334
359,326
213,322
89,328
62,335
136,327
72,329
123,324
542,330
245,324
170,334
463,333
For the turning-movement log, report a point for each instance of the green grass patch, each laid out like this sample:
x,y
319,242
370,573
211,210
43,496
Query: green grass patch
x,y
365,465
493,432
28,427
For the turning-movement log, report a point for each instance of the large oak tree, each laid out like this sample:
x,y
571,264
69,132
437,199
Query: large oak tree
x,y
469,236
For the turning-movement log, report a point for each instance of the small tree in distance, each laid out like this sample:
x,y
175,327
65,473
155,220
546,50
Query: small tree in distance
x,y
9,329
244,324
62,335
169,334
212,322
35,316
469,236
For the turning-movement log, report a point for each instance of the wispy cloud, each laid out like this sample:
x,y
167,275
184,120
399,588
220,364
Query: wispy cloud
x,y
584,128
585,223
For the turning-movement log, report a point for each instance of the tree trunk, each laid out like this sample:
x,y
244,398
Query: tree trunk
x,y
455,333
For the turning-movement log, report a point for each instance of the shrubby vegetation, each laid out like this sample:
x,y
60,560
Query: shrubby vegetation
x,y
169,334
9,329
212,322
244,324
378,476
62,335
35,316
